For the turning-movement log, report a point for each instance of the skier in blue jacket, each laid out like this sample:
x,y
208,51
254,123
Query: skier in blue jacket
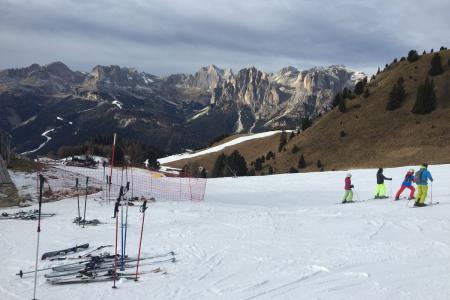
x,y
422,176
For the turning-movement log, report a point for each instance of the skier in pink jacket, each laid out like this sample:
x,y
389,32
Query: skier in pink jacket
x,y
348,196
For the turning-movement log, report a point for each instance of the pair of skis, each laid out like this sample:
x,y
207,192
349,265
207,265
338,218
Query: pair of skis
x,y
24,215
102,277
105,266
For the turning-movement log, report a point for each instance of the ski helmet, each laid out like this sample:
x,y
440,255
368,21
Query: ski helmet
x,y
411,170
349,174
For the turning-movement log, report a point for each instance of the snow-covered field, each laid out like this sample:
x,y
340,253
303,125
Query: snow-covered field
x,y
271,237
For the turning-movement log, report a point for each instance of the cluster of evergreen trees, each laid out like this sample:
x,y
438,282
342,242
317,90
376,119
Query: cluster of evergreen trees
x,y
426,98
101,145
340,98
396,96
232,165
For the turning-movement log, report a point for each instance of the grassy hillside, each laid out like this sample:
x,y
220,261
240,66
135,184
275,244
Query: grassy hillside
x,y
374,137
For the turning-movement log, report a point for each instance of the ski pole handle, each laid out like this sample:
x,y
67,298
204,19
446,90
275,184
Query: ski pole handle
x,y
144,207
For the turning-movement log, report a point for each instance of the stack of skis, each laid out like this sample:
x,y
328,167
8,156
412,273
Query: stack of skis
x,y
98,268
24,215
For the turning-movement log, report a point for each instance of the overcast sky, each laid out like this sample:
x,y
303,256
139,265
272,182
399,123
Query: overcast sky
x,y
179,36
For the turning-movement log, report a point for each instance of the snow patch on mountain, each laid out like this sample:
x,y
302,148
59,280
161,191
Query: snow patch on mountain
x,y
217,148
118,104
48,139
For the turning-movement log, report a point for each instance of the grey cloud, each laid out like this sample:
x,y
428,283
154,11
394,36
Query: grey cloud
x,y
164,37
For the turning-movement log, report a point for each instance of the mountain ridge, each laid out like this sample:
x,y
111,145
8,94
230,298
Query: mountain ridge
x,y
172,112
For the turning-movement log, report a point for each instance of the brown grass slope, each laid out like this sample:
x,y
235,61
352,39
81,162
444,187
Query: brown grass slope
x,y
375,137
251,150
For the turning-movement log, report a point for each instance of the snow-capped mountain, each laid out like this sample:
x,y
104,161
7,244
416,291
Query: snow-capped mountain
x,y
171,112
272,101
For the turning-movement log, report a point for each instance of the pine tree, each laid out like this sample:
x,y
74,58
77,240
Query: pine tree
x,y
424,52
448,62
270,170
378,71
301,162
219,166
366,93
237,164
270,155
306,123
412,56
319,164
397,95
436,65
359,87
342,105
426,98
345,93
292,135
258,164
283,140
295,149
337,99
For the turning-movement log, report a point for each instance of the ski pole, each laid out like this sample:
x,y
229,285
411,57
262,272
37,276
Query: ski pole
x,y
78,201
143,209
103,180
112,164
85,201
108,192
122,233
356,194
21,273
116,215
126,220
123,228
41,186
390,189
431,193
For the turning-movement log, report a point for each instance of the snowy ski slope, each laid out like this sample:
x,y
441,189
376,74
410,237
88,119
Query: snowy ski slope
x,y
217,148
271,237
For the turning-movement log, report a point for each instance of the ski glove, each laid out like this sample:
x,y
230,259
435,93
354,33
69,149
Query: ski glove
x,y
352,186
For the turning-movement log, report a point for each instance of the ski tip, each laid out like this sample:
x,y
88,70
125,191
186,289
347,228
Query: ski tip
x,y
173,259
172,253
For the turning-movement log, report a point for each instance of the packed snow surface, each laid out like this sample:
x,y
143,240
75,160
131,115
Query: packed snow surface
x,y
270,237
48,139
217,148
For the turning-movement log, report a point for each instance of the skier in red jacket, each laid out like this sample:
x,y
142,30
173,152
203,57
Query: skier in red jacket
x,y
407,184
348,196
